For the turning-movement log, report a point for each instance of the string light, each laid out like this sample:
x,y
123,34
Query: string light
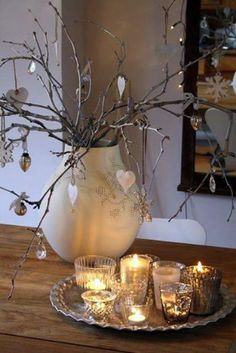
x,y
174,25
181,41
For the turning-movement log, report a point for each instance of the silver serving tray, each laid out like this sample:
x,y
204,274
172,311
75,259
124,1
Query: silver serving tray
x,y
65,297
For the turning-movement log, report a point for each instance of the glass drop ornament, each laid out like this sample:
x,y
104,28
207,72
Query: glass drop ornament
x,y
212,184
20,209
31,67
196,122
72,191
121,83
41,252
25,161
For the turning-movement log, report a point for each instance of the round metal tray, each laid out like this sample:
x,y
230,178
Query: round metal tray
x,y
65,297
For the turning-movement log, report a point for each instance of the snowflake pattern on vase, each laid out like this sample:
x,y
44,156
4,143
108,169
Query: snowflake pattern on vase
x,y
218,87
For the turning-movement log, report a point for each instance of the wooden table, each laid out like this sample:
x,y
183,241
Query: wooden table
x,y
28,323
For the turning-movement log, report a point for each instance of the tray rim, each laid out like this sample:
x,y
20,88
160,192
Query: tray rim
x,y
229,303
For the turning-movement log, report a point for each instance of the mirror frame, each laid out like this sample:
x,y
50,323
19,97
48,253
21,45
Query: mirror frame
x,y
190,179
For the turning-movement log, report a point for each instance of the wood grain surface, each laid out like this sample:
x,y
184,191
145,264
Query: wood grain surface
x,y
28,323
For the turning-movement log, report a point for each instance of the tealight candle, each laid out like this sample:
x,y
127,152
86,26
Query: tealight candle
x,y
164,272
96,284
137,316
205,281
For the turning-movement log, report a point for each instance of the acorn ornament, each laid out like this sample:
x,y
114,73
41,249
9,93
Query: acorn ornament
x,y
25,161
20,209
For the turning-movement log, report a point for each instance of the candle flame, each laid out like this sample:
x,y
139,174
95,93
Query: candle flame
x,y
96,284
135,260
199,266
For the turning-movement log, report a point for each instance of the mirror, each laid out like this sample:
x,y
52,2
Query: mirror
x,y
210,24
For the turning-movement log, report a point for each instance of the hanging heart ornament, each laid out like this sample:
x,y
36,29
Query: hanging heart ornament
x,y
19,94
125,179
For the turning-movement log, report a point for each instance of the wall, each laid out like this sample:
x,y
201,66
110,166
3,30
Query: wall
x,y
17,25
140,24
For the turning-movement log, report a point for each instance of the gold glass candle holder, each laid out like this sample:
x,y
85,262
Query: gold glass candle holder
x,y
99,303
205,281
176,301
164,272
94,272
135,314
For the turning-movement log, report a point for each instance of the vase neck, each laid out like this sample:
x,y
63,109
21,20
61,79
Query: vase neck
x,y
98,157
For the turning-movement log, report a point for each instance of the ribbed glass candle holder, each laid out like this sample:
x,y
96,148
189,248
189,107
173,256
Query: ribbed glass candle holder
x,y
94,272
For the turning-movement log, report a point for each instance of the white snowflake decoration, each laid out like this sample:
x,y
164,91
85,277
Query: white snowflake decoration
x,y
5,153
218,87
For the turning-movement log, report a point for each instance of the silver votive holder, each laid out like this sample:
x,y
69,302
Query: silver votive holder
x,y
176,301
94,272
99,303
206,288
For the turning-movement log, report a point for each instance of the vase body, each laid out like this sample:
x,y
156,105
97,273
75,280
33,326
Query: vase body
x,y
103,219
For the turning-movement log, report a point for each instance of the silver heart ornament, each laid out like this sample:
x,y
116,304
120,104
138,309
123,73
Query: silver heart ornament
x,y
19,94
125,179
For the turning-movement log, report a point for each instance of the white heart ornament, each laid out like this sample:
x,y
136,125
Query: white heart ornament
x,y
125,179
20,94
121,85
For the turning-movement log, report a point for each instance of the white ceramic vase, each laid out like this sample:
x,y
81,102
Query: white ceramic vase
x,y
104,220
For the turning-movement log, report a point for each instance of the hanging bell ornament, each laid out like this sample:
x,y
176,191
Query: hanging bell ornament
x,y
196,122
20,209
25,161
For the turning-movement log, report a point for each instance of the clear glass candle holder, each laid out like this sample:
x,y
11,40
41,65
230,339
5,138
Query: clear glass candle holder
x,y
135,314
134,267
94,272
176,301
99,304
165,272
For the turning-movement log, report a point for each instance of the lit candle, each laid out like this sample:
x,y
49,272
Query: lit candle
x,y
136,316
205,281
164,272
96,284
134,267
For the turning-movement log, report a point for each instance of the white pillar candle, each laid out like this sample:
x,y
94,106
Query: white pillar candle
x,y
164,274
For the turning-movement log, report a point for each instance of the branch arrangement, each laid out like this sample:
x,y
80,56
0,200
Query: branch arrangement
x,y
83,132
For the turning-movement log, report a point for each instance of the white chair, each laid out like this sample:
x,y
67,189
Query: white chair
x,y
177,230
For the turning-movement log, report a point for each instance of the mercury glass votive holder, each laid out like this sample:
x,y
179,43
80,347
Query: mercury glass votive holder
x,y
165,272
99,303
134,313
94,272
176,301
206,288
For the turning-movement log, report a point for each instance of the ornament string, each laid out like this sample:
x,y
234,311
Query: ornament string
x,y
15,76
